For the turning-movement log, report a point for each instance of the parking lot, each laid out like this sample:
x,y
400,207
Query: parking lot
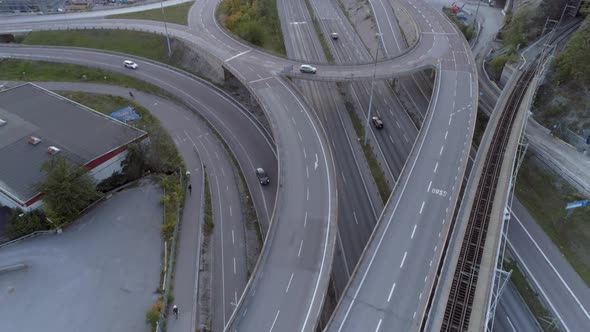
x,y
100,274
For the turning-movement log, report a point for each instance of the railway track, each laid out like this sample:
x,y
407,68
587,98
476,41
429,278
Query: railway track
x,y
459,304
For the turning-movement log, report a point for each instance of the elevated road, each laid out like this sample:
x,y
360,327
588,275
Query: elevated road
x,y
300,217
391,284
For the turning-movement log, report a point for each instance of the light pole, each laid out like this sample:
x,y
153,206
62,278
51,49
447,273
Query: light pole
x,y
166,28
372,87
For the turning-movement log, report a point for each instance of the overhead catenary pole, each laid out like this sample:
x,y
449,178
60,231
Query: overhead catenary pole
x,y
372,87
166,28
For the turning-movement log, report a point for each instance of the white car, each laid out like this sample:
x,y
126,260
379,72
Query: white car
x,y
307,69
129,64
506,215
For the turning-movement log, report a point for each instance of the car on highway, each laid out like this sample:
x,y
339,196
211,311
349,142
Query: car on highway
x,y
262,176
307,69
377,122
506,215
334,35
130,64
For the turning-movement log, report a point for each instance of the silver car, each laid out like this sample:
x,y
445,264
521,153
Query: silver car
x,y
307,69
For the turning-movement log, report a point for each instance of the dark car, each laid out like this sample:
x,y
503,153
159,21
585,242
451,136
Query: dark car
x,y
377,122
262,177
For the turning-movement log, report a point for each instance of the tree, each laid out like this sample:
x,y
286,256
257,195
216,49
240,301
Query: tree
x,y
67,190
20,223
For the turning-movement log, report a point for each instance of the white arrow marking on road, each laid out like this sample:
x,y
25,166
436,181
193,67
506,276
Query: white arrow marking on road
x,y
315,165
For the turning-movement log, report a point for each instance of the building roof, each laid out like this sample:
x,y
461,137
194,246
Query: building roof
x,y
80,133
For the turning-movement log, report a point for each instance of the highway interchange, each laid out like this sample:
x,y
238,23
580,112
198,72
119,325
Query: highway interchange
x,y
306,162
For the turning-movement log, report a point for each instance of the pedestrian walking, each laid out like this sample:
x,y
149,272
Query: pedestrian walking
x,y
175,311
190,189
131,94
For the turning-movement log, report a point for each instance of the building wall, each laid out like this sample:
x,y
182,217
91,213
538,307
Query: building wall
x,y
108,167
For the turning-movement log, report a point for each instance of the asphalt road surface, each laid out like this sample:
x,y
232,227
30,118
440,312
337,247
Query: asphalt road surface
x,y
281,261
99,275
567,294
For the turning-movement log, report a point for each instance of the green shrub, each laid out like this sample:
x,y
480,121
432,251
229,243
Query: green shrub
x,y
499,62
21,224
572,63
256,21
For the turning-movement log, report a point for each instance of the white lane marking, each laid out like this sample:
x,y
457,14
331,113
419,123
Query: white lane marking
x,y
315,164
406,139
446,133
435,167
343,178
391,139
414,315
274,321
237,55
305,220
234,265
391,292
523,264
552,267
442,149
420,296
430,264
217,156
230,213
403,259
300,246
300,138
289,284
413,231
355,219
435,247
397,123
450,119
307,171
232,237
429,185
512,326
293,119
378,325
422,207
308,193
304,154
222,172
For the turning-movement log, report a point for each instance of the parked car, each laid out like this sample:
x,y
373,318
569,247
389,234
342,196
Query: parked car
x,y
262,177
334,35
129,64
377,122
307,69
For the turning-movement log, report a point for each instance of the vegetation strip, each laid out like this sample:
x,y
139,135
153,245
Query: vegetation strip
x,y
25,70
173,14
256,21
529,295
374,167
545,194
318,31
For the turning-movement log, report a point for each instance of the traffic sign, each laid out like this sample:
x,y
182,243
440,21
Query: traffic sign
x,y
577,204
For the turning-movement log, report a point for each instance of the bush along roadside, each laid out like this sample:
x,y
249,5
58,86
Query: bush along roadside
x,y
208,224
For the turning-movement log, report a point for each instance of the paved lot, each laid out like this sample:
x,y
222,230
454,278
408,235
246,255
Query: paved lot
x,y
99,275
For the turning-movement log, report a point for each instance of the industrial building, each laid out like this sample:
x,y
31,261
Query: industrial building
x,y
36,124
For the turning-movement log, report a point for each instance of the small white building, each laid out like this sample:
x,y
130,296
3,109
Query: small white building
x,y
36,124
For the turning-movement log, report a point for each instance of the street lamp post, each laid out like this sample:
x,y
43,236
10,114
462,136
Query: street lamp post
x,y
372,87
166,28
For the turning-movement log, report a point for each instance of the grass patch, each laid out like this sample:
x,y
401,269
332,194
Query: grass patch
x,y
545,195
143,44
318,31
24,70
529,296
256,21
208,224
174,14
376,171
